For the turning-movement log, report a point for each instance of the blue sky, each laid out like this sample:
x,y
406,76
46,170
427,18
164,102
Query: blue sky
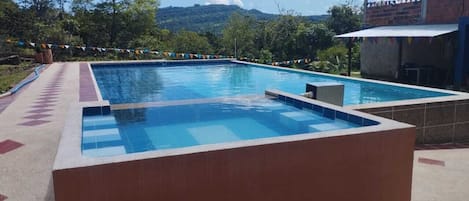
x,y
304,7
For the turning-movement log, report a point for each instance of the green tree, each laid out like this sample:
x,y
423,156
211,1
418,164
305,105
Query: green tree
x,y
311,38
40,8
139,20
79,6
214,41
8,10
265,56
283,44
61,4
263,37
191,42
239,34
343,19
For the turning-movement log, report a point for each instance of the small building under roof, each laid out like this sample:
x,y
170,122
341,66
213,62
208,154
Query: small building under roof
x,y
406,42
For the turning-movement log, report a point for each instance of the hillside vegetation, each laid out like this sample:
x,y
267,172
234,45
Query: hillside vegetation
x,y
138,29
209,18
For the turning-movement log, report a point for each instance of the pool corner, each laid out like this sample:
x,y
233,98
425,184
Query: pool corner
x,y
367,164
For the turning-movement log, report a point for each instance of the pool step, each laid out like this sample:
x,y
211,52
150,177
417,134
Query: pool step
x,y
93,122
278,108
213,134
106,151
101,135
335,125
299,119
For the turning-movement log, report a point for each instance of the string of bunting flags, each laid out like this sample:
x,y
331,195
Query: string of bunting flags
x,y
147,51
117,50
295,61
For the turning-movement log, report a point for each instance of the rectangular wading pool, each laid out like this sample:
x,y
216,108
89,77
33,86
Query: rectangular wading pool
x,y
440,115
207,121
297,149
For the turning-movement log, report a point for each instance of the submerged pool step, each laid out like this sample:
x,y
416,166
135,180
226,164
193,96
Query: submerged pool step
x,y
101,135
106,151
93,122
299,119
334,125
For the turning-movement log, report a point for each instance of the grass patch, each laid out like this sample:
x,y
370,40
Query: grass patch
x,y
10,75
356,74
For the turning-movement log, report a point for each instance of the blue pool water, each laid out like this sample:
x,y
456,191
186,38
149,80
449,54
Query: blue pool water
x,y
224,120
150,83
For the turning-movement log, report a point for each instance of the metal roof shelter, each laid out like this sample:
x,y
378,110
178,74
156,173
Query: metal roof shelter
x,y
404,31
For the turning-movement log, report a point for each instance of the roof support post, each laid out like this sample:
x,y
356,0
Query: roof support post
x,y
399,60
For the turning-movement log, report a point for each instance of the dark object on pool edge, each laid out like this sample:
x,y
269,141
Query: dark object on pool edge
x,y
329,92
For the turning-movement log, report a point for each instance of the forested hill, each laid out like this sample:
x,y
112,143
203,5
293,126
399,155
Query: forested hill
x,y
208,18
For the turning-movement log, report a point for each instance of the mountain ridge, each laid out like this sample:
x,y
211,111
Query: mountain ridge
x,y
209,18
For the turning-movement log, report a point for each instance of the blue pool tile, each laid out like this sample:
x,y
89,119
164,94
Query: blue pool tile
x,y
87,140
329,113
307,105
341,115
103,140
98,118
99,122
89,146
282,98
355,119
105,144
90,111
108,138
318,109
296,104
101,132
367,122
106,110
289,101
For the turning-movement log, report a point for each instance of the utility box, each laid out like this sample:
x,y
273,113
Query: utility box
x,y
329,92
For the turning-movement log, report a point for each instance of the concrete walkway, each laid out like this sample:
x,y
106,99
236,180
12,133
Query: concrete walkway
x,y
441,175
32,124
30,130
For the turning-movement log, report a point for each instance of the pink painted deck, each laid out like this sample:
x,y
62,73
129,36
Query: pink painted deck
x,y
7,146
87,89
46,102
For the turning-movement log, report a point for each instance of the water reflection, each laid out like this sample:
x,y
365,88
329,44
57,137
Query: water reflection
x,y
239,76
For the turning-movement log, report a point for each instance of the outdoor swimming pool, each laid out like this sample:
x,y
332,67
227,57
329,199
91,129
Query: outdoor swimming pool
x,y
152,82
215,121
166,130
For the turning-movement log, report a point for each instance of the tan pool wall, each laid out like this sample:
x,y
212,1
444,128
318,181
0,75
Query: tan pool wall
x,y
438,122
361,167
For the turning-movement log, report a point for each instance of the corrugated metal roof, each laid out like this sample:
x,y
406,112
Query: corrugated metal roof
x,y
404,31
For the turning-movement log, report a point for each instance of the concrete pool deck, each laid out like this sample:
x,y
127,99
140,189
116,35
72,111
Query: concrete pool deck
x,y
34,121
30,131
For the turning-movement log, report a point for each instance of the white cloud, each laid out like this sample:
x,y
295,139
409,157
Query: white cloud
x,y
225,2
238,2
